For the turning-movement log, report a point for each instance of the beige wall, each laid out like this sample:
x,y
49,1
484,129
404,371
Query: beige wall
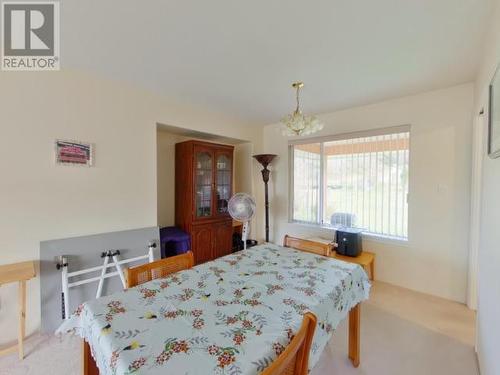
x,y
166,176
489,243
41,201
434,260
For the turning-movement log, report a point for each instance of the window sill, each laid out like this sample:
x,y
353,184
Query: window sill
x,y
368,236
386,239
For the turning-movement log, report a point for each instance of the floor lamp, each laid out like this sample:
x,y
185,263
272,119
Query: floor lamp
x,y
265,160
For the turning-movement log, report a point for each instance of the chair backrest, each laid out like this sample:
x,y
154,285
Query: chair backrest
x,y
160,268
309,246
295,358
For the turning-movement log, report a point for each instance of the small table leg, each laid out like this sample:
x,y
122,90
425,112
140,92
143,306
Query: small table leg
x,y
89,366
372,269
22,317
354,334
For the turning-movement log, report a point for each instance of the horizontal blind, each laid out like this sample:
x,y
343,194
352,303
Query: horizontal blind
x,y
365,183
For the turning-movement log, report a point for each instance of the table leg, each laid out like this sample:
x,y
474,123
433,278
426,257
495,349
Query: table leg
x,y
372,270
22,317
366,267
354,334
89,366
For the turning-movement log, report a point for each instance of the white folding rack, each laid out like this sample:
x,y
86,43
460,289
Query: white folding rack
x,y
62,264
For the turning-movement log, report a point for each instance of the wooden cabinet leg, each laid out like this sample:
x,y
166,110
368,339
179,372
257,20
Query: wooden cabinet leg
x,y
22,317
354,334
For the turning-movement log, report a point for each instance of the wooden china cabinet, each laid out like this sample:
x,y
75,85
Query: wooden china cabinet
x,y
203,186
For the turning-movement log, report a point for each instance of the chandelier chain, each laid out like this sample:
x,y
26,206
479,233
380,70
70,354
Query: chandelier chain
x,y
298,99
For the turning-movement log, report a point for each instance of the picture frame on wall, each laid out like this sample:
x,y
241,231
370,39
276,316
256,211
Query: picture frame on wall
x,y
74,153
494,117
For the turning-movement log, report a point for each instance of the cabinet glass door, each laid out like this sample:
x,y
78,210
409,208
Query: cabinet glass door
x,y
203,183
223,180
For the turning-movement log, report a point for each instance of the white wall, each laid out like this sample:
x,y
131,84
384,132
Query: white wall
x,y
488,339
41,201
435,258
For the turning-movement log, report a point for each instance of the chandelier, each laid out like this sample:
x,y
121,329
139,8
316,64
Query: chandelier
x,y
297,123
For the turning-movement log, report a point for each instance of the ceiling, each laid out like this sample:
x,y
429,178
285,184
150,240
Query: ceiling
x,y
241,57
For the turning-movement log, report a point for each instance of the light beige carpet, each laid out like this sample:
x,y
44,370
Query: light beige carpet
x,y
402,333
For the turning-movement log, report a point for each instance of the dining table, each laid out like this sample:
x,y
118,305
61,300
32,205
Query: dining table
x,y
234,315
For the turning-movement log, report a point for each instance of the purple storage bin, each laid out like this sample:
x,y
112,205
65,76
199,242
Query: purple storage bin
x,y
174,241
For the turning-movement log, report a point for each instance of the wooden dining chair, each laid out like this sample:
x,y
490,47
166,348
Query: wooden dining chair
x,y
160,268
295,358
309,246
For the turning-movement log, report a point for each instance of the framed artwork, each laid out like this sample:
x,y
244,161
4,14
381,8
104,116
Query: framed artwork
x,y
494,117
74,153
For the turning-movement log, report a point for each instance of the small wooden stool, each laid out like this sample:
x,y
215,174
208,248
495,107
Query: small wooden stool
x,y
365,260
18,272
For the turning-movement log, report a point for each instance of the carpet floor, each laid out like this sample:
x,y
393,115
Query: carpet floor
x,y
402,333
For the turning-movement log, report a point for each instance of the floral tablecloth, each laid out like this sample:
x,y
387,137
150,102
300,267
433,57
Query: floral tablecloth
x,y
230,316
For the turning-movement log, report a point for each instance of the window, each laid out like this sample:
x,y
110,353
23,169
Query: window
x,y
358,180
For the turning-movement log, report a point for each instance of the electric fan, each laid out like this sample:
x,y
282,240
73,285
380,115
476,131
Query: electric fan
x,y
241,207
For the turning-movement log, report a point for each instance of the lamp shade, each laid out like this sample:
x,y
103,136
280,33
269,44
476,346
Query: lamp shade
x,y
265,159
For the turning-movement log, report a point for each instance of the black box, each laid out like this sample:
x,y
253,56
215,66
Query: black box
x,y
349,242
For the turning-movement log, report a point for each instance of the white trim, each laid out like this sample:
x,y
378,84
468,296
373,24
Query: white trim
x,y
352,135
321,183
394,130
478,150
372,237
291,182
